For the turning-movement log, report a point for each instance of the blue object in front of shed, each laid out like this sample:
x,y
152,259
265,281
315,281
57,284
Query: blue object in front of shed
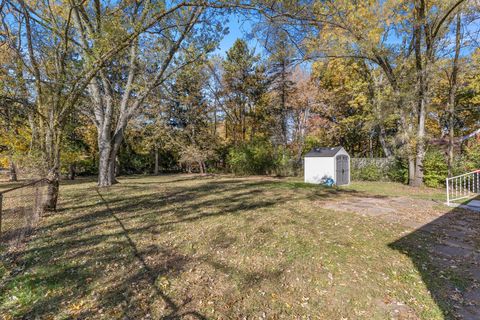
x,y
329,182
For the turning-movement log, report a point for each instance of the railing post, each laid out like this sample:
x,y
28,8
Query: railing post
x,y
448,193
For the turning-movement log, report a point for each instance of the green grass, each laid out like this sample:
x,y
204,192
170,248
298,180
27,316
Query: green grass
x,y
397,189
214,247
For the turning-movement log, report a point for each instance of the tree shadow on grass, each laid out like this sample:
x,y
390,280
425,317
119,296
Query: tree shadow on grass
x,y
446,252
104,259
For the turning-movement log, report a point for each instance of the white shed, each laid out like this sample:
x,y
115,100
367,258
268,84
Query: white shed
x,y
322,163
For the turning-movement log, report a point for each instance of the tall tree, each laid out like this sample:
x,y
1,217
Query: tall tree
x,y
452,93
39,34
281,58
429,25
304,103
66,48
187,116
351,29
244,83
122,89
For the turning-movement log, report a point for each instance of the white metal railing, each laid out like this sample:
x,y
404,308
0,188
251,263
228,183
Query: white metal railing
x,y
463,186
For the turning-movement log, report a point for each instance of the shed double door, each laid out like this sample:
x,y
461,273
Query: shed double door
x,y
342,170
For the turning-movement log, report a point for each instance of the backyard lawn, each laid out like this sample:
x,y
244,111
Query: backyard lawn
x,y
223,247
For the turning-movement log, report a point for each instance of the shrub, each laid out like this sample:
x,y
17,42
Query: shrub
x,y
435,169
285,164
472,157
398,170
379,169
369,172
468,160
252,158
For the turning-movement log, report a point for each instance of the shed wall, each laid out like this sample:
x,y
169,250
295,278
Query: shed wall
x,y
317,168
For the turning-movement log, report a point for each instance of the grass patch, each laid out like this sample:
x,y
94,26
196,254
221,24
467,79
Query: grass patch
x,y
213,247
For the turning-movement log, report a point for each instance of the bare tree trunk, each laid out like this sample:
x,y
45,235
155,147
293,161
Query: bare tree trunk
x,y
420,156
53,188
116,168
12,170
411,170
370,147
107,167
71,171
33,129
421,69
155,170
52,157
383,143
105,163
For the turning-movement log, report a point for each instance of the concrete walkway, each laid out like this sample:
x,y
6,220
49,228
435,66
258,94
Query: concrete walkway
x,y
473,205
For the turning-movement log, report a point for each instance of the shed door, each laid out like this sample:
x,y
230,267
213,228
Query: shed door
x,y
342,170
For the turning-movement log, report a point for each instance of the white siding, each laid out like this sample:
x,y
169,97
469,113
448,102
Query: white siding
x,y
317,168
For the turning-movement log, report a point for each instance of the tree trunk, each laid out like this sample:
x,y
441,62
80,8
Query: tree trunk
x,y
71,171
421,69
420,155
383,143
370,147
12,171
411,170
116,164
452,96
155,170
106,166
53,187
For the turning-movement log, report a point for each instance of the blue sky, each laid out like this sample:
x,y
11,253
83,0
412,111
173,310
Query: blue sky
x,y
238,28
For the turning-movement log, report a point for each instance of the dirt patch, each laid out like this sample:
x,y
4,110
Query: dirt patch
x,y
402,210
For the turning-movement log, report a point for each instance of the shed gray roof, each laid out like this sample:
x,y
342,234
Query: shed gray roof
x,y
323,152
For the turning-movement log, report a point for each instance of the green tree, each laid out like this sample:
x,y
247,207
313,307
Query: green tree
x,y
244,85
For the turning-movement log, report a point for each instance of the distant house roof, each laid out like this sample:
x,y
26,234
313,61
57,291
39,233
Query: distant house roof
x,y
323,152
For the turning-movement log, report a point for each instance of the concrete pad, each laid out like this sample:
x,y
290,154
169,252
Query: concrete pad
x,y
451,252
474,203
470,207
